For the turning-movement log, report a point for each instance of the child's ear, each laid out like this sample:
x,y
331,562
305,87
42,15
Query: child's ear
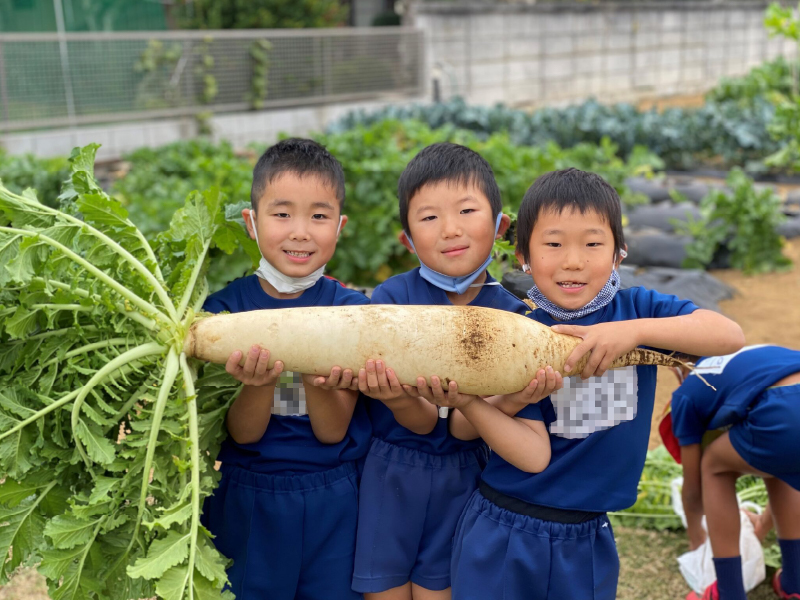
x,y
403,237
343,222
505,223
249,216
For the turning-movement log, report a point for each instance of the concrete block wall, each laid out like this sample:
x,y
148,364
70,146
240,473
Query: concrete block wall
x,y
534,55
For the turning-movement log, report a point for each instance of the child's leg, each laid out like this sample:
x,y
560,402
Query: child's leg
x,y
452,485
393,499
257,528
329,535
721,467
785,502
401,592
420,593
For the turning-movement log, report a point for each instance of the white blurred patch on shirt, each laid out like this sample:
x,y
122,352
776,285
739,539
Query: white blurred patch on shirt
x,y
585,406
290,395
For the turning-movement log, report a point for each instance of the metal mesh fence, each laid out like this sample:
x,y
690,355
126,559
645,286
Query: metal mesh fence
x,y
49,81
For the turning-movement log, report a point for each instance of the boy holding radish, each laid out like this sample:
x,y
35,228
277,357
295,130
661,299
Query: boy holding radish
x,y
418,476
286,507
536,536
756,399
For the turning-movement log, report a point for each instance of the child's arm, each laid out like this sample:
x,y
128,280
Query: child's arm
x,y
330,401
410,411
762,524
248,416
547,381
701,333
692,494
524,443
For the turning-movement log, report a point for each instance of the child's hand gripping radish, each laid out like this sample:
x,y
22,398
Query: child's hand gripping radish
x,y
546,382
691,334
605,341
379,382
523,441
255,371
338,380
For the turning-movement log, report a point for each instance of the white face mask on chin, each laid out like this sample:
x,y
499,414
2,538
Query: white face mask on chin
x,y
284,284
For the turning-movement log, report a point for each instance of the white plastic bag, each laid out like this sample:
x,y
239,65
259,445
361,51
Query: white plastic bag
x,y
697,566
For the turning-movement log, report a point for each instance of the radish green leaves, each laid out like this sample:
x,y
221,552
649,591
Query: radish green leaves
x,y
107,432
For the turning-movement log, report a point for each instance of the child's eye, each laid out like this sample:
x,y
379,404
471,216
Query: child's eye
x,y
429,218
466,211
282,215
594,244
553,244
319,217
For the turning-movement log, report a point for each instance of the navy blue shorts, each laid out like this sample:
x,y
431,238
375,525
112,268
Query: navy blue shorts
x,y
290,536
767,438
498,554
409,504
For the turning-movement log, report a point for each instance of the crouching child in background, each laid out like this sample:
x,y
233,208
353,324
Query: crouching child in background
x,y
757,399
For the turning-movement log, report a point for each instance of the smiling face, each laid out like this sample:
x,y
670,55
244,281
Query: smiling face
x,y
452,227
571,256
298,223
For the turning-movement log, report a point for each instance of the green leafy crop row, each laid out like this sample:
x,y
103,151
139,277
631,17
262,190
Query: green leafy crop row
x,y
26,171
719,134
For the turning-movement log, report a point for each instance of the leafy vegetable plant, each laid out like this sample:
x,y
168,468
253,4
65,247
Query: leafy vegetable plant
x,y
28,171
741,222
108,432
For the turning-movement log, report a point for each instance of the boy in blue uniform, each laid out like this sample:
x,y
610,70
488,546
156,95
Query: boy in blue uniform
x,y
417,476
286,507
756,397
546,535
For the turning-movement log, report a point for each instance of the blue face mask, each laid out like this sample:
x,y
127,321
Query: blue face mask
x,y
459,284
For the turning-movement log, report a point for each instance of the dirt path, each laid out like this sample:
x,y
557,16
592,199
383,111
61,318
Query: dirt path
x,y
766,306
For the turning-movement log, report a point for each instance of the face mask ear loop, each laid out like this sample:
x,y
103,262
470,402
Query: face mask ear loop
x,y
255,229
339,229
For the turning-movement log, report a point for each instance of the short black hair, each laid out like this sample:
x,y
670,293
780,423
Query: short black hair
x,y
569,189
301,157
451,163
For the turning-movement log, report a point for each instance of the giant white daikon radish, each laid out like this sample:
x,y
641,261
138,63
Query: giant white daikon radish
x,y
486,351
